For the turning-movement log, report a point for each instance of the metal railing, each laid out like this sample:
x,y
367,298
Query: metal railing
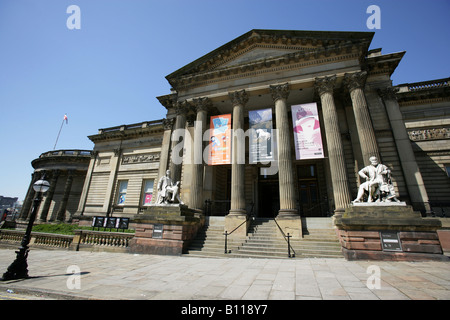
x,y
226,234
287,239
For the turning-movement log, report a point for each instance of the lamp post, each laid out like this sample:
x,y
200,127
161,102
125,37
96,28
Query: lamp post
x,y
19,268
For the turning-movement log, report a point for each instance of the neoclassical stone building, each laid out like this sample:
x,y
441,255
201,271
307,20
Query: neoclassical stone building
x,y
66,171
282,77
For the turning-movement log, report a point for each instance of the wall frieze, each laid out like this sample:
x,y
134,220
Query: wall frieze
x,y
141,158
256,69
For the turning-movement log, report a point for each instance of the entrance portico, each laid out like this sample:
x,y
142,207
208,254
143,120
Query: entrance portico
x,y
274,70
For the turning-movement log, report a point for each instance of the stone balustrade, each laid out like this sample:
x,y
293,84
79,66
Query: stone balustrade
x,y
85,240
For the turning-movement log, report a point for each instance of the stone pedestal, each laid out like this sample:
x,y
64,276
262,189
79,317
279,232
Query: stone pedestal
x,y
291,224
165,229
363,229
237,224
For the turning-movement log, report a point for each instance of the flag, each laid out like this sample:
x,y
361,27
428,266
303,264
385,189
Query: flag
x,y
65,118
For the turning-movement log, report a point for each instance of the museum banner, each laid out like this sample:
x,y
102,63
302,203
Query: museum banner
x,y
220,140
307,136
261,142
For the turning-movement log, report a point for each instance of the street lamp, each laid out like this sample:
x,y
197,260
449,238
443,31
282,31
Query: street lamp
x,y
19,268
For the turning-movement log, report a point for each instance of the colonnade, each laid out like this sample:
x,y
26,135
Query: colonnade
x,y
324,86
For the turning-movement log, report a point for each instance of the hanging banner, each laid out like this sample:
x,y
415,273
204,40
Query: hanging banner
x,y
220,137
261,143
307,136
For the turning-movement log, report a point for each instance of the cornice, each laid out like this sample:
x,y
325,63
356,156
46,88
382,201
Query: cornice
x,y
129,131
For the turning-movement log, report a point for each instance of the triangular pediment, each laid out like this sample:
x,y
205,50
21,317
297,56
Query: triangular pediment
x,y
256,53
261,48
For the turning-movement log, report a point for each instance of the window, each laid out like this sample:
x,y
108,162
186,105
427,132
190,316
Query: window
x,y
122,192
147,192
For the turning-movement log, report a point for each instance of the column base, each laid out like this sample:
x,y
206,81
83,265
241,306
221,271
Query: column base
x,y
290,223
236,222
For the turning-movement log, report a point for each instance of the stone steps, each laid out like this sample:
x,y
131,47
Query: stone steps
x,y
264,240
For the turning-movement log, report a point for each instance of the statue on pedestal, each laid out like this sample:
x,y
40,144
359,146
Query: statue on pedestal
x,y
378,183
168,192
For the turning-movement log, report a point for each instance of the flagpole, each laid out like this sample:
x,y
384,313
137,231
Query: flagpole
x,y
58,135
62,123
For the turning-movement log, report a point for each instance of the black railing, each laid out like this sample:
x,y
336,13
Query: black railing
x,y
287,239
226,234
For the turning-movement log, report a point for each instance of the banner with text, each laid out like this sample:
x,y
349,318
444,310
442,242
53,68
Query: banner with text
x,y
261,143
220,136
307,136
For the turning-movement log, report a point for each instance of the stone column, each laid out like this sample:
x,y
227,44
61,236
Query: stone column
x,y
28,202
201,107
60,215
49,196
237,215
178,142
288,206
355,83
238,99
288,217
87,184
413,177
341,193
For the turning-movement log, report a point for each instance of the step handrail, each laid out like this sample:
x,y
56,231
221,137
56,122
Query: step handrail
x,y
226,234
286,238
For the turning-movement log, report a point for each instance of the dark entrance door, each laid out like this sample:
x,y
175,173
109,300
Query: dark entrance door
x,y
269,199
309,199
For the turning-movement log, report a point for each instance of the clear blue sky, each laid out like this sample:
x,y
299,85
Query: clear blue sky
x,y
111,70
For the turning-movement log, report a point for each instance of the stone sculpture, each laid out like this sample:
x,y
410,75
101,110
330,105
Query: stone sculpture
x,y
378,184
168,191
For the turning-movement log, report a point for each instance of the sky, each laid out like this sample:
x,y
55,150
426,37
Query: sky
x,y
110,70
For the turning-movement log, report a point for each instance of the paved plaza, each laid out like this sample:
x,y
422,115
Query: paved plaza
x,y
62,274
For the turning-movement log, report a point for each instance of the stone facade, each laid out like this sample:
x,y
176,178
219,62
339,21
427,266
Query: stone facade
x,y
66,171
360,113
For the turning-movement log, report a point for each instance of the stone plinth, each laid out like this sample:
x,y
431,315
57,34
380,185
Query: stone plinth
x,y
165,229
236,225
361,226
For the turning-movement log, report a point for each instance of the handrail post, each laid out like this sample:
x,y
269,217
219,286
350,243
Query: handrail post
x,y
289,245
226,240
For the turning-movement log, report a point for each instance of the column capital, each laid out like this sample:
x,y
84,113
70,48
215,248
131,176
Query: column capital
x,y
181,107
388,93
238,97
202,104
325,84
168,123
355,80
280,91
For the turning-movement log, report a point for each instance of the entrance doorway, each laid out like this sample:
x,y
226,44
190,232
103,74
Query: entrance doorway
x,y
308,188
269,198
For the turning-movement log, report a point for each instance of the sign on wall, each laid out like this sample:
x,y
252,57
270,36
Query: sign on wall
x,y
307,136
261,143
220,140
390,241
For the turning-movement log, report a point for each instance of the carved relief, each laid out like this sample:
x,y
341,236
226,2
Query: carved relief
x,y
429,134
140,158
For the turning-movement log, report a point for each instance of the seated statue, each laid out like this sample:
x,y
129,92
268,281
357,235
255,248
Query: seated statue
x,y
168,192
378,185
